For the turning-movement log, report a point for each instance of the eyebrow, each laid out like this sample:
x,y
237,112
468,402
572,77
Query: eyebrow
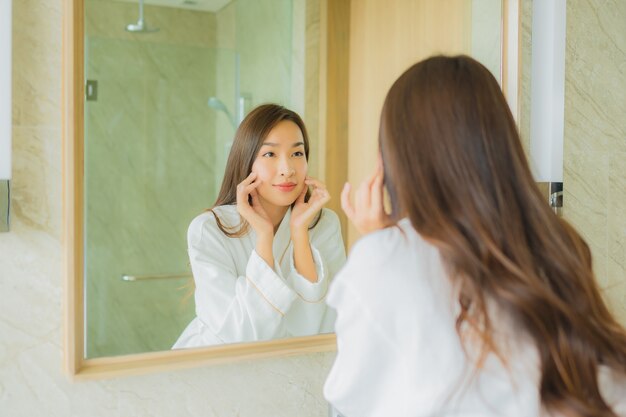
x,y
295,145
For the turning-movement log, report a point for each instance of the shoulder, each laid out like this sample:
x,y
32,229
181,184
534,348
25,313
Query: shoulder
x,y
392,272
327,224
205,224
387,257
382,246
328,219
327,231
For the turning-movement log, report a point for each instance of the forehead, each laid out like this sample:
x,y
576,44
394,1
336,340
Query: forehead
x,y
285,132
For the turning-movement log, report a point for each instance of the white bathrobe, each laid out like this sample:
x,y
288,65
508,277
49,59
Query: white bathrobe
x,y
398,351
239,298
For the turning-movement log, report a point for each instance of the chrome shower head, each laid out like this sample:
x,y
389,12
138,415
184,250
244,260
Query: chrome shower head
x,y
217,104
140,26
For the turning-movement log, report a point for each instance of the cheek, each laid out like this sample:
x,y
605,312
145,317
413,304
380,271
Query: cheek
x,y
263,170
302,168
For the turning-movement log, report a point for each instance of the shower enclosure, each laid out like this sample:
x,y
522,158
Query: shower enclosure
x,y
160,113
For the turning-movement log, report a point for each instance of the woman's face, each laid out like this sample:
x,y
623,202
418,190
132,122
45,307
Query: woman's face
x,y
281,165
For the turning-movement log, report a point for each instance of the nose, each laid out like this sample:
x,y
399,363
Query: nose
x,y
286,170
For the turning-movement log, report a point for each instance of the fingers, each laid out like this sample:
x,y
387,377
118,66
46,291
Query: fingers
x,y
363,197
319,193
379,164
254,195
314,183
319,197
346,205
245,188
376,192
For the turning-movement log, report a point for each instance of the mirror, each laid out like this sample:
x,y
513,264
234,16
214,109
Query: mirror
x,y
153,95
163,100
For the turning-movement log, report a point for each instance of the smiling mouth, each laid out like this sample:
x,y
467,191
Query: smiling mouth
x,y
285,187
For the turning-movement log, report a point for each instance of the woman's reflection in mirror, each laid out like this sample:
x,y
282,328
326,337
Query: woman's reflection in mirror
x,y
263,256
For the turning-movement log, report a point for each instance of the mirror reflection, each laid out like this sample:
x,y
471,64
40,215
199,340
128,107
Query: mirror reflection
x,y
161,109
175,257
263,256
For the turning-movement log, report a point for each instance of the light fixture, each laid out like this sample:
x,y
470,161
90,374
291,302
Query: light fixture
x,y
547,110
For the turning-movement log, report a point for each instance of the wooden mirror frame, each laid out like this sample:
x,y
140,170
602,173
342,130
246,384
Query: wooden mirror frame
x,y
333,98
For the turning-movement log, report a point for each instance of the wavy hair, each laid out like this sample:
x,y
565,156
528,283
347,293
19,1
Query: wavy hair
x,y
447,130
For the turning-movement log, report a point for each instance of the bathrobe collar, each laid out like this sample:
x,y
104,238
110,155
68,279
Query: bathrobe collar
x,y
282,237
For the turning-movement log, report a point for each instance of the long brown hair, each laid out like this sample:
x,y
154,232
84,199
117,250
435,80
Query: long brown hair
x,y
447,130
248,140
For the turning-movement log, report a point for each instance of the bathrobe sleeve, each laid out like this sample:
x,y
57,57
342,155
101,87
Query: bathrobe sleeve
x,y
235,308
356,384
313,315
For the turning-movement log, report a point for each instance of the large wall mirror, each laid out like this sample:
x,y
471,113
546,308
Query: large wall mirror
x,y
154,91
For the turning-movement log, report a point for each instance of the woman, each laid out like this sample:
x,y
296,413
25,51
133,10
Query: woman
x,y
471,298
263,256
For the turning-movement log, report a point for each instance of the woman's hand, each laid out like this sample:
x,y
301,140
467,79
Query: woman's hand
x,y
369,213
254,214
303,213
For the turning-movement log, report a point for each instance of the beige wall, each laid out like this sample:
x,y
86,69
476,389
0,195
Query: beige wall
x,y
384,42
594,153
31,382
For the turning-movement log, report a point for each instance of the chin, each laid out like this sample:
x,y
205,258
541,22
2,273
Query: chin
x,y
278,199
282,201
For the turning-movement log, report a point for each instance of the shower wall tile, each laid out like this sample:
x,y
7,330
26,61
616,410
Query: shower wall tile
x,y
312,107
225,87
265,50
486,27
226,35
148,173
298,55
150,144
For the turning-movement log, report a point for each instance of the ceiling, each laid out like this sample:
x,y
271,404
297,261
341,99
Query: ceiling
x,y
200,5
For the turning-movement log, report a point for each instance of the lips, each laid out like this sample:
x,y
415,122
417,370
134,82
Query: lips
x,y
285,187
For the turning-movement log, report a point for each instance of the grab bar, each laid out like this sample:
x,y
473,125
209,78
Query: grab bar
x,y
131,278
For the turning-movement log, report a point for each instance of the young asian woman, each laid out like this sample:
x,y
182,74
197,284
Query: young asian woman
x,y
471,297
263,256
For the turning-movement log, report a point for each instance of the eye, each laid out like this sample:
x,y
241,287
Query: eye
x,y
268,154
298,153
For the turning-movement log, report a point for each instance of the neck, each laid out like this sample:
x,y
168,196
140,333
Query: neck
x,y
276,213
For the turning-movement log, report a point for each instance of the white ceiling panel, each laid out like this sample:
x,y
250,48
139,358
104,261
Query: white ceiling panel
x,y
200,5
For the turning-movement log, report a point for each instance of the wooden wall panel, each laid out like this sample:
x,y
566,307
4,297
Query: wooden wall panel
x,y
384,42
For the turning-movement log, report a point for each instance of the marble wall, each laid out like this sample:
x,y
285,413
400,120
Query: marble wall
x,y
31,379
594,178
149,169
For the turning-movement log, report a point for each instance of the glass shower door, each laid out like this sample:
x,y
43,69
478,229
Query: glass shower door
x,y
151,157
